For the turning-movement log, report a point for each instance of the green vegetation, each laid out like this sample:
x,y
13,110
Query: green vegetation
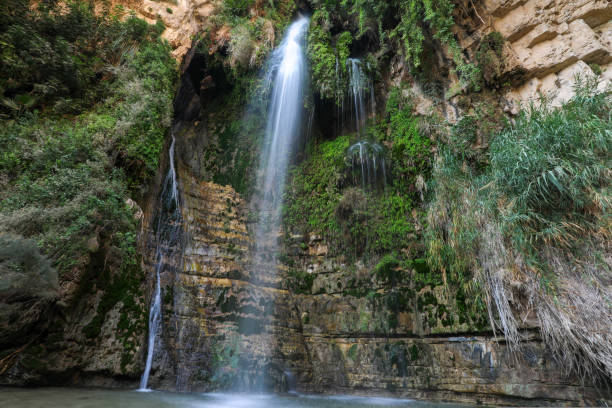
x,y
225,360
399,25
321,199
255,27
123,287
377,224
564,155
232,147
238,8
596,68
301,281
489,57
352,352
57,57
386,269
314,191
26,273
323,57
411,151
29,286
90,136
540,209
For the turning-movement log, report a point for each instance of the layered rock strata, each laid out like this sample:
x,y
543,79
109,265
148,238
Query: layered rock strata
x,y
550,42
222,323
347,333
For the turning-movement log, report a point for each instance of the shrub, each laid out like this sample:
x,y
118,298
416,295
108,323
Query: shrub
x,y
239,8
28,287
531,228
386,269
59,55
411,151
26,273
552,167
489,57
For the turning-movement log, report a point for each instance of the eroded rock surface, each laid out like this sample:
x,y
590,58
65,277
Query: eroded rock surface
x,y
223,322
552,41
227,322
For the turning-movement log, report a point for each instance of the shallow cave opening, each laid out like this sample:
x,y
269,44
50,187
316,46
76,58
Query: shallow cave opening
x,y
202,80
367,43
303,7
326,117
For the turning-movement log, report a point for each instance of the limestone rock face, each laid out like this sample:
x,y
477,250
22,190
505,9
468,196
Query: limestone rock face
x,y
220,326
226,322
223,323
549,42
183,19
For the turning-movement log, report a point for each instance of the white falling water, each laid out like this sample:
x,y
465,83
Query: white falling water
x,y
361,92
286,75
166,236
154,325
367,158
368,164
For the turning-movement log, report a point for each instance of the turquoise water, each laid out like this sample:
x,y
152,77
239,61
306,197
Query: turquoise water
x,y
97,398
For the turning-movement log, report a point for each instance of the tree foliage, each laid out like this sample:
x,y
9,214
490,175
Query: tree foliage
x,y
65,179
59,56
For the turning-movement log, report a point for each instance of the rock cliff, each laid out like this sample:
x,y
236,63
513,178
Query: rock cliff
x,y
408,339
347,330
548,41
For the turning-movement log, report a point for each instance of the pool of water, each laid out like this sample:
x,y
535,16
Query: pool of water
x,y
97,398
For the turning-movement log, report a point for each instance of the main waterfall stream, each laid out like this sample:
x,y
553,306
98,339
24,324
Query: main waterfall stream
x,y
285,77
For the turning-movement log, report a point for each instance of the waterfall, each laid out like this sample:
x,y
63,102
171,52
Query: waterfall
x,y
368,164
286,72
286,76
360,93
367,158
166,236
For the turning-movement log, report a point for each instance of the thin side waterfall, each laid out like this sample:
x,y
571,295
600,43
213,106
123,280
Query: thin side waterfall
x,y
367,158
166,236
368,164
360,93
286,78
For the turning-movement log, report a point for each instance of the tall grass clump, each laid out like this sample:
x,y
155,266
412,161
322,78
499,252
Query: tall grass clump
x,y
531,230
553,168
